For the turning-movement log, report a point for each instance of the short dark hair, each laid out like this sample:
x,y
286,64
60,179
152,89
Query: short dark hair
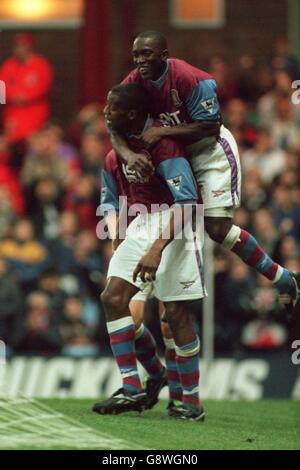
x,y
160,38
133,96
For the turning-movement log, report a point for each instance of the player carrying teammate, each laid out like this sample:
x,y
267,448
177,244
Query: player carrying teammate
x,y
174,270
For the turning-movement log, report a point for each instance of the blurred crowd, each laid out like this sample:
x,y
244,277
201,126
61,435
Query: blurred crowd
x,y
53,267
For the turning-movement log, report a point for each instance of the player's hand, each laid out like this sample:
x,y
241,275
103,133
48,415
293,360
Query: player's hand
x,y
153,135
141,164
115,243
147,266
210,129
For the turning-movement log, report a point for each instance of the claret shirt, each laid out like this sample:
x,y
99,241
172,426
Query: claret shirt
x,y
183,94
172,181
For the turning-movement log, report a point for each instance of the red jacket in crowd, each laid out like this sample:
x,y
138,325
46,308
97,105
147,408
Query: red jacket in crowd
x,y
28,85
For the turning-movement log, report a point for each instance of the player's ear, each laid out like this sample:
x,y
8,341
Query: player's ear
x,y
165,54
131,114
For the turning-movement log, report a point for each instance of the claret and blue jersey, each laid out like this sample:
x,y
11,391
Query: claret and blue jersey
x,y
183,94
172,181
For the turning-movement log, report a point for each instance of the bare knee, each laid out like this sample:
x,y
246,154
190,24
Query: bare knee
x,y
137,308
181,322
217,227
177,317
114,303
166,330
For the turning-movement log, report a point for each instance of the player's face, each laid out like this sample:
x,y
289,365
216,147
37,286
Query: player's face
x,y
149,58
116,117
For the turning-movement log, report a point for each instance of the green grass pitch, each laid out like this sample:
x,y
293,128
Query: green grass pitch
x,y
229,425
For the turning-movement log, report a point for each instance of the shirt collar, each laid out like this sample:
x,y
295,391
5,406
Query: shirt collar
x,y
160,81
148,124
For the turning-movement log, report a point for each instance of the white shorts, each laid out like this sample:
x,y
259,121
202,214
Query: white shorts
x,y
180,273
145,294
217,169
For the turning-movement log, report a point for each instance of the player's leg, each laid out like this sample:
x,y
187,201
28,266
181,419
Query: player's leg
x,y
242,243
146,352
137,310
187,346
179,280
115,299
121,329
218,174
174,385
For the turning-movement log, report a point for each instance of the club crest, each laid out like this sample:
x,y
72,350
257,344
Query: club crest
x,y
175,182
175,98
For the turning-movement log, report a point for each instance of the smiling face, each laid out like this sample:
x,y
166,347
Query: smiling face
x,y
149,58
117,118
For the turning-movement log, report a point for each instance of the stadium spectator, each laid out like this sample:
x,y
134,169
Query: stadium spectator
x,y
43,206
11,301
66,152
78,335
25,255
49,284
233,303
83,198
266,156
90,119
266,105
265,331
283,58
289,248
9,179
236,119
265,231
37,332
28,77
265,81
88,263
92,154
284,129
246,79
43,161
227,87
61,248
7,212
286,213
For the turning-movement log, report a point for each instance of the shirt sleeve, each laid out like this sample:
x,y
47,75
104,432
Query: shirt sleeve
x,y
178,175
132,77
109,188
202,103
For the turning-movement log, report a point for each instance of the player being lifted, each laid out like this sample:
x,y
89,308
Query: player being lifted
x,y
185,100
150,251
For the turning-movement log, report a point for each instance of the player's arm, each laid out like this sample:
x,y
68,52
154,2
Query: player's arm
x,y
185,195
187,133
204,110
110,206
136,161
